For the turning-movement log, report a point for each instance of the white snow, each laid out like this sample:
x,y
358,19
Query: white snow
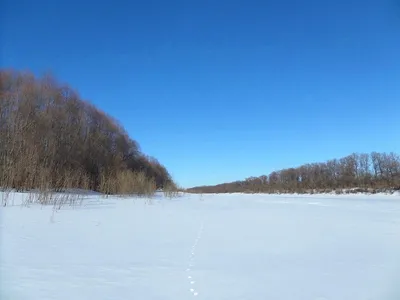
x,y
314,247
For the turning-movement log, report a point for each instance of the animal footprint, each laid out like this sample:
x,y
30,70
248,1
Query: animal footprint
x,y
191,261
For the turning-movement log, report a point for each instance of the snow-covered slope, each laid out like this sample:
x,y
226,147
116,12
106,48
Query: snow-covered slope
x,y
208,247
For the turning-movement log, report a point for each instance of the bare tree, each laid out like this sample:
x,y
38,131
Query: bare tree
x,y
49,134
378,170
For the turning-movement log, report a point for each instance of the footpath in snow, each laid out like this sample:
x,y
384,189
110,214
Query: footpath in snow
x,y
214,247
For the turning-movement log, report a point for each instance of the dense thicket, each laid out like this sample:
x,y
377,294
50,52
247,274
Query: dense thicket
x,y
49,136
364,171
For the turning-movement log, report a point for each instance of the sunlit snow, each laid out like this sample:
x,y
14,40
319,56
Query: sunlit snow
x,y
290,247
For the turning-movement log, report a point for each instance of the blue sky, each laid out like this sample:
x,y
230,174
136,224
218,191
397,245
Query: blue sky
x,y
222,90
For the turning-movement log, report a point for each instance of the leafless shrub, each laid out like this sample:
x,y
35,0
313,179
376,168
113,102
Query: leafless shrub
x,y
170,190
128,183
5,196
144,186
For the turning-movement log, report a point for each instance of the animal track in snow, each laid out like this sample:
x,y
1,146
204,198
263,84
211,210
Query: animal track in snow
x,y
191,262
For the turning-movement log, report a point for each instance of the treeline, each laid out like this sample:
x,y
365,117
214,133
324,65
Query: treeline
x,y
51,138
360,172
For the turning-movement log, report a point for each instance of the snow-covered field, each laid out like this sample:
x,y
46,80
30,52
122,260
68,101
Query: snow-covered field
x,y
207,247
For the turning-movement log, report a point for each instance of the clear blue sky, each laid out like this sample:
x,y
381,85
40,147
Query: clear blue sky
x,y
222,90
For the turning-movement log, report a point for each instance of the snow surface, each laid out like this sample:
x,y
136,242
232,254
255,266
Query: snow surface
x,y
236,246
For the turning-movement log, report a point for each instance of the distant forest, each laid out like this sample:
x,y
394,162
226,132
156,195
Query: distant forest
x,y
353,173
52,139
